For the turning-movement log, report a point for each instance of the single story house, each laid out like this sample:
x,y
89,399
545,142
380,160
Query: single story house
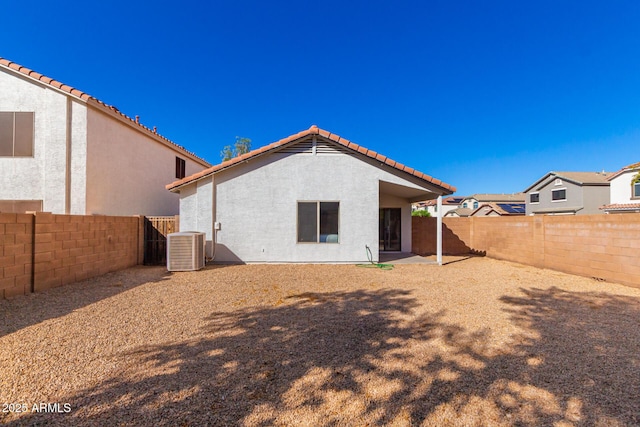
x,y
321,198
568,193
459,213
474,201
499,209
431,206
624,190
63,151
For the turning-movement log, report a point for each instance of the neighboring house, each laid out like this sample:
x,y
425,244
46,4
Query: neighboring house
x,y
459,213
328,200
499,209
474,202
431,206
568,193
63,151
624,190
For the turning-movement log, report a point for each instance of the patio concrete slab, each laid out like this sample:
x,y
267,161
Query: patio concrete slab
x,y
404,258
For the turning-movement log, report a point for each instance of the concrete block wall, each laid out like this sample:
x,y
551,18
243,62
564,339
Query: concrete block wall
x,y
456,236
600,246
41,251
16,254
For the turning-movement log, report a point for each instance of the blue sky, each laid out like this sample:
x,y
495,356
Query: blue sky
x,y
487,96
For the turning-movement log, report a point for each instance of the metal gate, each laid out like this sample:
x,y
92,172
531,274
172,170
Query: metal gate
x,y
156,229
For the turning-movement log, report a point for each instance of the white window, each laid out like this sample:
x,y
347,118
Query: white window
x,y
559,195
318,222
16,134
636,189
475,205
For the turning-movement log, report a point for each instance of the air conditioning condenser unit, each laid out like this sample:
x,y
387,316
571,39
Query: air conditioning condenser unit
x,y
185,251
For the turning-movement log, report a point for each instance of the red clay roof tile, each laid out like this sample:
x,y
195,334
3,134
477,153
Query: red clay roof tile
x,y
621,206
313,130
86,97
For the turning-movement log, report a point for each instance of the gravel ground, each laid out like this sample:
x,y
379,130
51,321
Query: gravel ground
x,y
476,342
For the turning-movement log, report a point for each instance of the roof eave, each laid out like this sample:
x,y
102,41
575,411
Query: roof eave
x,y
445,188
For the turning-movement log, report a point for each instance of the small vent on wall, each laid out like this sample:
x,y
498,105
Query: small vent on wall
x,y
558,181
324,147
302,147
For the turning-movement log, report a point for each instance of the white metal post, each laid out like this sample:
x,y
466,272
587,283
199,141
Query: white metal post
x,y
439,232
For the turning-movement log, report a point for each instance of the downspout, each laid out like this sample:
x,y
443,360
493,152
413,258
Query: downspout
x,y
439,232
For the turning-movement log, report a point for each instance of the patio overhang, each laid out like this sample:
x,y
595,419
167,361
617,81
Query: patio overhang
x,y
411,193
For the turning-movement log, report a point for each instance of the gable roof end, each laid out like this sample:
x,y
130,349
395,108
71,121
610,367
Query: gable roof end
x,y
313,130
579,178
632,167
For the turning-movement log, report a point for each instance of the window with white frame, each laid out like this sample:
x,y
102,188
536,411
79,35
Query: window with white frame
x,y
636,190
318,222
534,198
559,195
16,134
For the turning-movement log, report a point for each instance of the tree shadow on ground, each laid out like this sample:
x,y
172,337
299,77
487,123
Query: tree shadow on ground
x,y
26,310
365,358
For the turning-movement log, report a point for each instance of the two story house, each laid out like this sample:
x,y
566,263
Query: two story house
x,y
64,151
625,190
568,193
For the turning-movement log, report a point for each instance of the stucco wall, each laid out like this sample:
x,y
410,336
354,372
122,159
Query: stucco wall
x,y
43,176
127,171
196,210
256,206
621,188
574,197
594,197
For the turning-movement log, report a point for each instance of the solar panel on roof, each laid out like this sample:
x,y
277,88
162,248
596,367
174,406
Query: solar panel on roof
x,y
513,208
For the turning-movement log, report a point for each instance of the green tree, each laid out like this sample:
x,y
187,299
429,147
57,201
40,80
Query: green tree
x,y
241,146
421,213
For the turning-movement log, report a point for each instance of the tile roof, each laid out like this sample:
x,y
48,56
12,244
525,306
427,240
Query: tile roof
x,y
110,109
313,130
580,178
516,197
448,201
585,177
514,208
463,212
631,167
621,207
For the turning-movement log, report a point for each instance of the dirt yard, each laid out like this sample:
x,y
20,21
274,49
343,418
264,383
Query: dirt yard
x,y
477,342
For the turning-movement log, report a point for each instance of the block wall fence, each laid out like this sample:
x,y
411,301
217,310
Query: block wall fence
x,y
601,246
41,251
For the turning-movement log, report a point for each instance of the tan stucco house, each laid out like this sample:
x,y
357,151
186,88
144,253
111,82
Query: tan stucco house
x,y
64,151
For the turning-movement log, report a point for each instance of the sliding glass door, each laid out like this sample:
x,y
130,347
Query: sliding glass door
x,y
390,229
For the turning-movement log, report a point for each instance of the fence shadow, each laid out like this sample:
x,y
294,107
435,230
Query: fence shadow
x,y
362,357
26,310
